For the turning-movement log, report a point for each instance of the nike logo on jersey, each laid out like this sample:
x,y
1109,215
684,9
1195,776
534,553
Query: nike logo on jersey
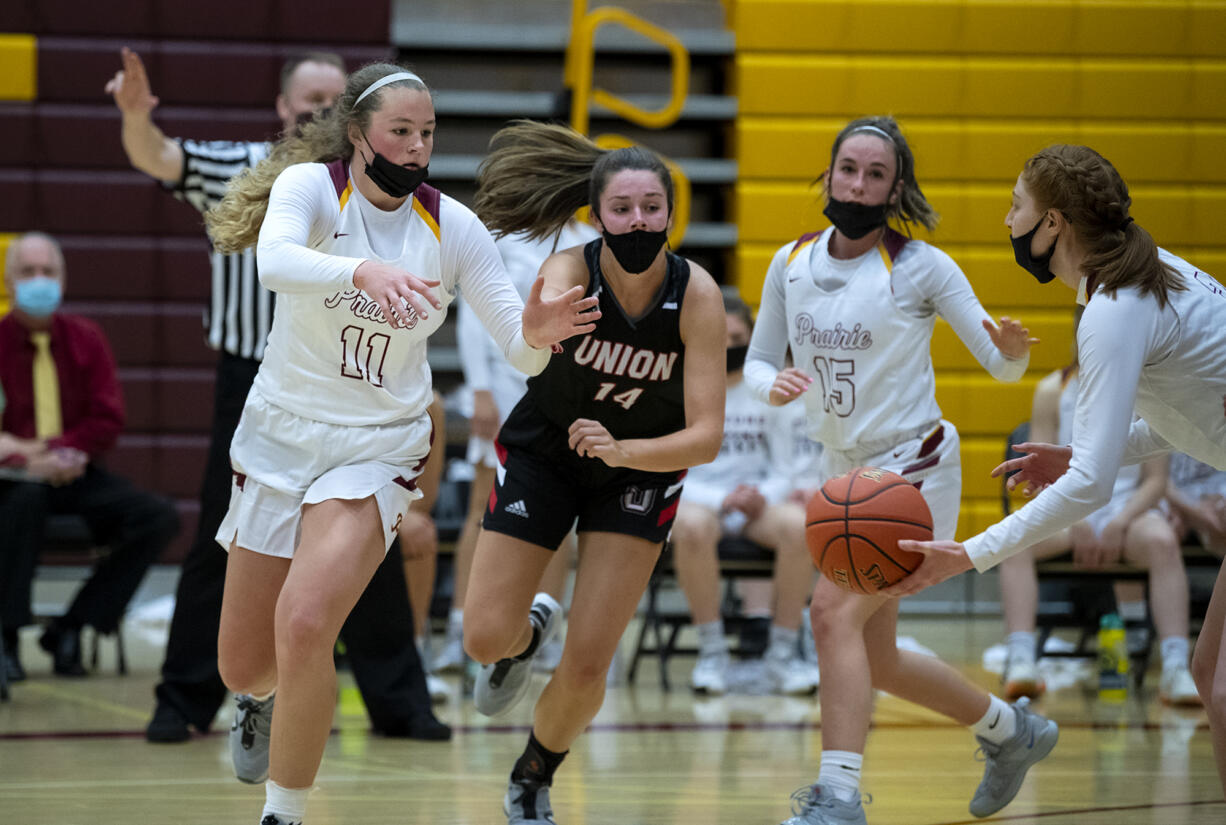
x,y
336,235
668,305
517,508
793,279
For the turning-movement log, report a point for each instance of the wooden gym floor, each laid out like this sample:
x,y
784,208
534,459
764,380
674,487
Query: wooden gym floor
x,y
72,752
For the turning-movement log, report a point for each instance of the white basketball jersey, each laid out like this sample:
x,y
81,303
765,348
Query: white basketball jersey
x,y
1129,477
870,362
333,357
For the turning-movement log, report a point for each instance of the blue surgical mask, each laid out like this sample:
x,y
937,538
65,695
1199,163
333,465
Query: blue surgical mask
x,y
38,297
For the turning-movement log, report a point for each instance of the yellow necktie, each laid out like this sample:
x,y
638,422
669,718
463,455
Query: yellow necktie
x,y
47,423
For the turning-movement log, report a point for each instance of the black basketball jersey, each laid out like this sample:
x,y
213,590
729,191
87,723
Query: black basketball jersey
x,y
628,373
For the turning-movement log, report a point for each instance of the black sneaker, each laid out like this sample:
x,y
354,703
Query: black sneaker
x,y
167,725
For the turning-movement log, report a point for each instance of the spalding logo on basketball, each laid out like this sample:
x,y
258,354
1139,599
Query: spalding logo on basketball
x,y
854,523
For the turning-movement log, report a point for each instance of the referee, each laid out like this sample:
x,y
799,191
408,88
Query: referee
x,y
379,631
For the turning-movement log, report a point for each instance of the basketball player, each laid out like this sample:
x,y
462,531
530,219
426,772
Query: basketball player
x,y
856,305
603,435
496,387
363,257
1152,340
1130,527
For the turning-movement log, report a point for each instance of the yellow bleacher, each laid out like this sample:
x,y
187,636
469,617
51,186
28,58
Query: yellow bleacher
x,y
979,86
18,67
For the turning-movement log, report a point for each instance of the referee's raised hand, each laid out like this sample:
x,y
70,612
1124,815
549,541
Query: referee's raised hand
x,y
130,86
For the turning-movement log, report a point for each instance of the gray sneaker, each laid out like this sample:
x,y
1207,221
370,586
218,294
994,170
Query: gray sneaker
x,y
273,819
527,805
501,685
812,806
249,738
1005,765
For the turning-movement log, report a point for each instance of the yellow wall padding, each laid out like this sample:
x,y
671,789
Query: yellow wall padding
x,y
18,67
1155,28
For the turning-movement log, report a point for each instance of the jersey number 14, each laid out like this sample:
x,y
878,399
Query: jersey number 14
x,y
626,398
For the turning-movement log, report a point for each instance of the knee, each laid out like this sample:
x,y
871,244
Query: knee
x,y
242,669
581,675
828,621
487,641
303,630
1204,666
694,530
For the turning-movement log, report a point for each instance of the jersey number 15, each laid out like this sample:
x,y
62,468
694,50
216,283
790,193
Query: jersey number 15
x,y
834,380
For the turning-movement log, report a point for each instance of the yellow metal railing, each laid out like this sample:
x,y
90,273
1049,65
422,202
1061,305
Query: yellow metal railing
x,y
578,73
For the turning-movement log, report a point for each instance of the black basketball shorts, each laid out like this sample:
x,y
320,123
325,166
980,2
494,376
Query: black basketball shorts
x,y
538,499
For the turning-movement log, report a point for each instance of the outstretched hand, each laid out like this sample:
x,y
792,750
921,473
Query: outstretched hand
x,y
130,86
548,321
398,293
1011,338
1038,469
942,560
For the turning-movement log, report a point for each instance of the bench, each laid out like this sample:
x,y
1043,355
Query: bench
x,y
1076,597
738,558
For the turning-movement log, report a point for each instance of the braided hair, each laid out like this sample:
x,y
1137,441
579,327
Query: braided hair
x,y
1089,192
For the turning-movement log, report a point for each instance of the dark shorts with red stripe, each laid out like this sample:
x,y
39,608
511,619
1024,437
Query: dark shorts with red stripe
x,y
539,495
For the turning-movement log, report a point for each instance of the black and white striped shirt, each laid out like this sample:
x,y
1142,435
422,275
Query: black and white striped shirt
x,y
240,310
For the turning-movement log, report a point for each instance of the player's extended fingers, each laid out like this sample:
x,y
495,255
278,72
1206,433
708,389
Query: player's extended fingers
x,y
423,287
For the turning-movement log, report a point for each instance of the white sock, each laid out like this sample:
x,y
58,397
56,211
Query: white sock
x,y
840,774
1021,646
1132,611
711,637
783,642
998,724
1174,652
288,804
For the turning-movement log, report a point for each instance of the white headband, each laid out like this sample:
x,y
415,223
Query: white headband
x,y
386,79
865,128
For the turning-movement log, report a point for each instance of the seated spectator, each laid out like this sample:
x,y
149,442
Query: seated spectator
x,y
740,493
1128,528
63,411
1196,502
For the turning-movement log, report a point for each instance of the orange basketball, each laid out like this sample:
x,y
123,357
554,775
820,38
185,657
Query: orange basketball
x,y
854,523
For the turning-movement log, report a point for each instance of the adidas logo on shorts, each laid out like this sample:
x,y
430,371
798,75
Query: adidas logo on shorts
x,y
517,508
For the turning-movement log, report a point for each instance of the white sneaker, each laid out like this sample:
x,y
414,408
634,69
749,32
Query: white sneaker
x,y
501,685
1021,678
547,660
1178,688
792,675
438,689
710,673
451,658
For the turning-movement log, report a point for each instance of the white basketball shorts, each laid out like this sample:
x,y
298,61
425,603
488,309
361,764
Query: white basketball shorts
x,y
283,461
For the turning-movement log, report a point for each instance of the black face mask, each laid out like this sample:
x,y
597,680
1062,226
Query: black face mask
x,y
855,220
1038,267
393,179
635,250
736,357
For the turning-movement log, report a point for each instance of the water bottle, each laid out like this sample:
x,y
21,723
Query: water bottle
x,y
1112,659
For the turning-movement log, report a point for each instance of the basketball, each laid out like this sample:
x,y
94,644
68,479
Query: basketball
x,y
854,523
